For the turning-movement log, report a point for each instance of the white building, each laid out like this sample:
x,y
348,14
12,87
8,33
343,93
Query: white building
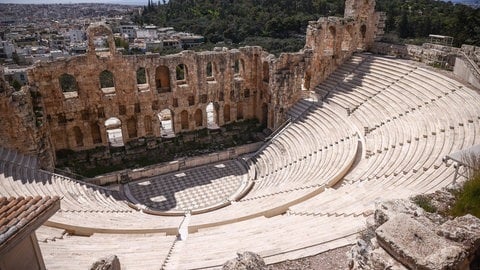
x,y
130,30
6,49
76,36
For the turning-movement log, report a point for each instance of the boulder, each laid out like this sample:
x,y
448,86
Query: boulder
x,y
245,261
416,245
402,235
386,209
464,230
107,263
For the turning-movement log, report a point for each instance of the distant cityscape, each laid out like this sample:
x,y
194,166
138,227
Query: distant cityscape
x,y
41,32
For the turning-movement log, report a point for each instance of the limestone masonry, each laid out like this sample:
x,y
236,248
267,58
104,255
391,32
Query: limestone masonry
x,y
107,99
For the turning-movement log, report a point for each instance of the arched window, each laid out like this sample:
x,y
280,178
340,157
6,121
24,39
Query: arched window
x,y
347,38
211,71
132,127
95,132
162,79
198,118
147,125
107,82
226,113
212,116
68,83
239,68
191,100
239,110
363,31
166,124
142,82
113,126
266,72
184,119
181,74
77,132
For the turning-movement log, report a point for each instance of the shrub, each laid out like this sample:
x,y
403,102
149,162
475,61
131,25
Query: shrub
x,y
467,198
425,203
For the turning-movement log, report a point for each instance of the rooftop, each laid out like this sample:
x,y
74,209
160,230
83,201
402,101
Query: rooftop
x,y
20,216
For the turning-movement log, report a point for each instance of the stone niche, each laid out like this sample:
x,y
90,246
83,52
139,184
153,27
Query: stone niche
x,y
106,99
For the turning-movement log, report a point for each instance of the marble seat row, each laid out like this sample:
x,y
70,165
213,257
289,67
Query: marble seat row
x,y
317,141
85,209
134,251
275,239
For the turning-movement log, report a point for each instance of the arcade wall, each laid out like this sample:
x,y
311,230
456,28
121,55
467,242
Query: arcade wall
x,y
106,99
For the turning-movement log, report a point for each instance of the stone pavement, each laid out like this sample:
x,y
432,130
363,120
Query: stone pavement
x,y
192,189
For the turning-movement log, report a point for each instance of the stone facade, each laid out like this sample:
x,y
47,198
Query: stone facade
x,y
104,98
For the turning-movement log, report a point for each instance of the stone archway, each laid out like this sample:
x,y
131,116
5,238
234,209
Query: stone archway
x,y
166,123
212,116
113,126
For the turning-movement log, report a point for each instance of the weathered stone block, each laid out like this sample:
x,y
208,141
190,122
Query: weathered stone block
x,y
417,246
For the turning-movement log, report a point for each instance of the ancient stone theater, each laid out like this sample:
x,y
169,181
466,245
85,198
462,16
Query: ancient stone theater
x,y
352,121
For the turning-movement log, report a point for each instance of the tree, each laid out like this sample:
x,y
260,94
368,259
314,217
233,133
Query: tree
x,y
403,26
16,85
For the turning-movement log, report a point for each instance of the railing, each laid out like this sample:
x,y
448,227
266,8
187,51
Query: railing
x,y
473,65
279,130
70,174
268,140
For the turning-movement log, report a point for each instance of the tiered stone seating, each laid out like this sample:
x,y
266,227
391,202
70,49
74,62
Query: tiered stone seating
x,y
276,239
135,251
379,132
412,125
85,209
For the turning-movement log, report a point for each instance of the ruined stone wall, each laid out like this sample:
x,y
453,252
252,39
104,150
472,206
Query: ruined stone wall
x,y
17,121
240,83
427,53
330,41
73,116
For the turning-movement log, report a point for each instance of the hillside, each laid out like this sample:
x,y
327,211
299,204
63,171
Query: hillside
x,y
279,25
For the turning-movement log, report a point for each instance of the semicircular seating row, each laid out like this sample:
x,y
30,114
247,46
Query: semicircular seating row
x,y
408,118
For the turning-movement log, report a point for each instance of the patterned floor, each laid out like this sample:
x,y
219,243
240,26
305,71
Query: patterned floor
x,y
191,189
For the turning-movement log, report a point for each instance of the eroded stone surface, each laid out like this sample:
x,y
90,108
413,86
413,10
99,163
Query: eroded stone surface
x,y
245,261
402,235
107,263
417,246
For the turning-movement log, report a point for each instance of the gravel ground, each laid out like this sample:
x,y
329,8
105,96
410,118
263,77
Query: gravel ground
x,y
331,260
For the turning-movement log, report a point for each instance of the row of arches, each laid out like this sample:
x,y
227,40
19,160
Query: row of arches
x,y
347,38
68,83
115,131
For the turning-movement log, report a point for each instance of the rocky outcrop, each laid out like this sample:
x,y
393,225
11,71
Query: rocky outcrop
x,y
402,235
107,263
245,261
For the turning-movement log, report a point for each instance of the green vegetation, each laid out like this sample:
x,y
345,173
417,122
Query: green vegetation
x,y
280,25
425,203
16,85
121,43
246,22
415,20
467,198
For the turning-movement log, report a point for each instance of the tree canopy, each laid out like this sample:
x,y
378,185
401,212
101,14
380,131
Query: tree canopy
x,y
280,25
